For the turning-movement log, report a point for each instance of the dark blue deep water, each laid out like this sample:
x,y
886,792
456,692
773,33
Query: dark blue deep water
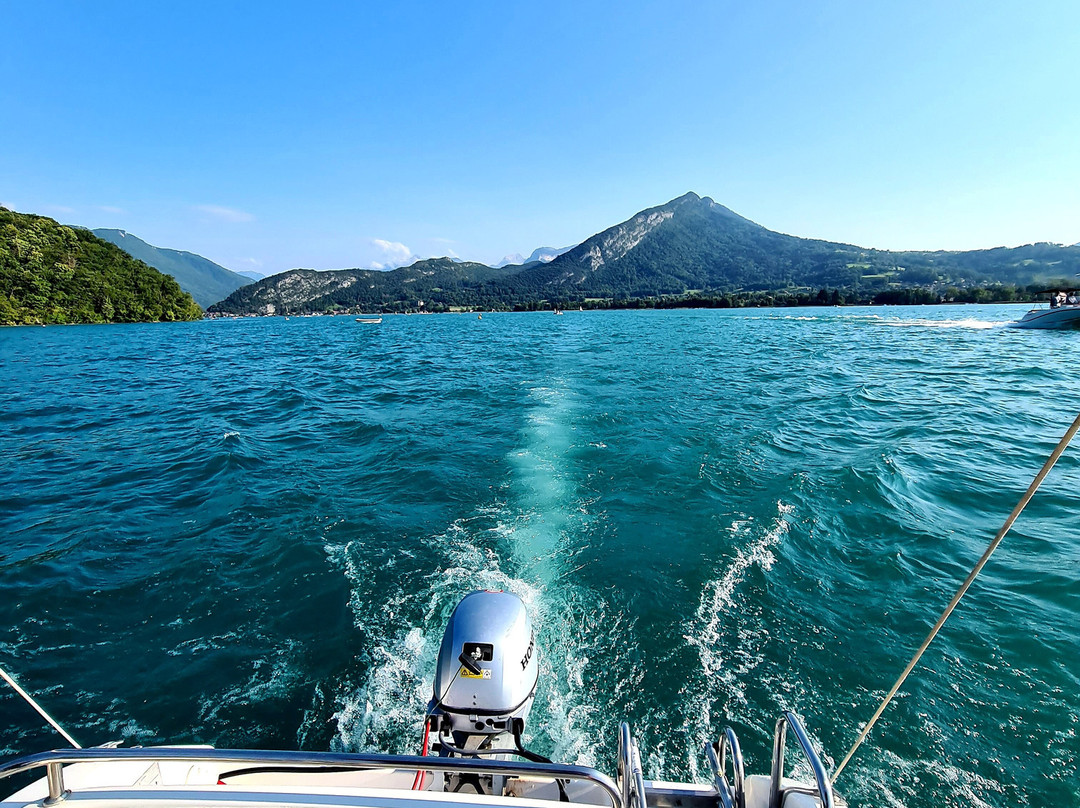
x,y
251,532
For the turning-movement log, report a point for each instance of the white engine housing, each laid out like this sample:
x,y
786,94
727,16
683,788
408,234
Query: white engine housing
x,y
494,631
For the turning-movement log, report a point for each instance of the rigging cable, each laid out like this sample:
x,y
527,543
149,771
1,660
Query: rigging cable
x,y
38,707
1049,464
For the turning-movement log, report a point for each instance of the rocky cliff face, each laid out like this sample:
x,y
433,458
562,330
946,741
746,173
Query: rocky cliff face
x,y
680,233
292,290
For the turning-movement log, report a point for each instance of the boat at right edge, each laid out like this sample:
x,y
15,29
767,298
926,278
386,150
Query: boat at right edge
x,y
1063,312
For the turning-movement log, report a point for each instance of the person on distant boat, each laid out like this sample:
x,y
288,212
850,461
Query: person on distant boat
x,y
1054,301
1072,299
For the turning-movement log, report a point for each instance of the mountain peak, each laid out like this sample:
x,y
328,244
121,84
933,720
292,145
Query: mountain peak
x,y
705,203
544,255
689,196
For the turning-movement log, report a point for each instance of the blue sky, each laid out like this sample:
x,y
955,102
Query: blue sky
x,y
267,136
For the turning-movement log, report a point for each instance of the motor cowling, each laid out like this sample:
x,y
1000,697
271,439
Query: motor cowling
x,y
487,671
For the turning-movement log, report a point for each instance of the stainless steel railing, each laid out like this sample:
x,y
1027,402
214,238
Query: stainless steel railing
x,y
732,795
55,760
824,787
630,777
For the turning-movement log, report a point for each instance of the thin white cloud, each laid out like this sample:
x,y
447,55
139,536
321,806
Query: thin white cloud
x,y
394,254
8,205
60,209
392,249
255,262
226,214
111,209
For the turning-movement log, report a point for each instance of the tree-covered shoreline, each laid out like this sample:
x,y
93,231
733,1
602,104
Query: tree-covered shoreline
x,y
912,296
54,274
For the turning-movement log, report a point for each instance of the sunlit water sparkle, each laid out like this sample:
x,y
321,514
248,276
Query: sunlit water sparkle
x,y
251,533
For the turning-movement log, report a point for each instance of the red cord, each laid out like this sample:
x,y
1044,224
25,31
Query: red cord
x,y
418,780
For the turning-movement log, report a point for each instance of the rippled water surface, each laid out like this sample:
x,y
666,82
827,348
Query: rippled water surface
x,y
251,533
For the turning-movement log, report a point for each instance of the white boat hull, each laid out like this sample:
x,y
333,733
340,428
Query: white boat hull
x,y
1057,318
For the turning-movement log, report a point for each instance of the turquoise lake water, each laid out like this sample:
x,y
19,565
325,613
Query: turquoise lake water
x,y
251,533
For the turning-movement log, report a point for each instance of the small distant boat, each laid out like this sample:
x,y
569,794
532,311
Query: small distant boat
x,y
372,320
1061,314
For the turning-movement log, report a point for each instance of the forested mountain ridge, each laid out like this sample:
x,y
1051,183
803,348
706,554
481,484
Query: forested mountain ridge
x,y
691,247
200,277
306,290
694,243
51,273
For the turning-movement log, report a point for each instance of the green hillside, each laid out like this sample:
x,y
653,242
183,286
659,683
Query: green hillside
x,y
690,249
50,273
306,290
695,243
200,277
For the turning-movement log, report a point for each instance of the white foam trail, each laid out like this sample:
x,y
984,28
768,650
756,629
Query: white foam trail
x,y
389,707
571,715
726,662
385,711
717,596
968,323
521,547
544,494
807,318
574,626
897,781
274,676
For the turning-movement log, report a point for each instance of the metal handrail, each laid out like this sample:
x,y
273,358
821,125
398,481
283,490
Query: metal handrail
x,y
720,783
731,795
824,787
622,765
642,799
56,759
629,773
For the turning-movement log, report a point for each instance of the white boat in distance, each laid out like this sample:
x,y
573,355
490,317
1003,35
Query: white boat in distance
x,y
1060,315
484,686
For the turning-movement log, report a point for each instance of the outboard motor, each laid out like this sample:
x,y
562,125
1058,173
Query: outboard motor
x,y
485,682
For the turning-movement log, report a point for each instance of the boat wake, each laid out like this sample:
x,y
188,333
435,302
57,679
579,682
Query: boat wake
x,y
593,671
384,712
717,597
968,323
729,646
525,545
